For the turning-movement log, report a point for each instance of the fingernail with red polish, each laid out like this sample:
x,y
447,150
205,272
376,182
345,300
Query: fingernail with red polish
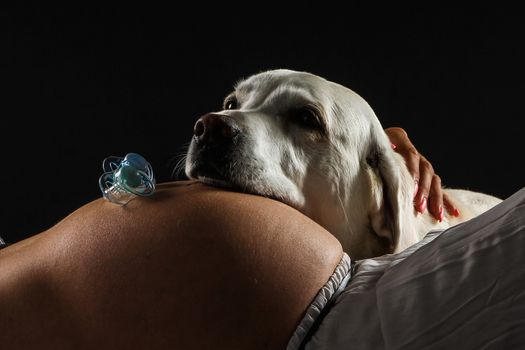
x,y
456,212
423,205
440,214
393,146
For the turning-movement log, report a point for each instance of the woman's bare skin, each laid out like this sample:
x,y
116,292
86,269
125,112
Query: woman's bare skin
x,y
192,267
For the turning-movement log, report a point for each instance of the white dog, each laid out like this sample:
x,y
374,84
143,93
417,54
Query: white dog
x,y
318,147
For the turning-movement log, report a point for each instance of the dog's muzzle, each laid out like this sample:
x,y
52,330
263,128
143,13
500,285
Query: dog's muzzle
x,y
215,137
215,130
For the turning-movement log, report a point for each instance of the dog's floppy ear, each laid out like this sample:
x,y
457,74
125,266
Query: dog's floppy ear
x,y
391,210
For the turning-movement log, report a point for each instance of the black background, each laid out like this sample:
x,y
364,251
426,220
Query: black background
x,y
80,84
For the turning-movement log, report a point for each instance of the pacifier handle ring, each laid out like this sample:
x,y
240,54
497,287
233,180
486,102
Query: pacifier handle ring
x,y
114,182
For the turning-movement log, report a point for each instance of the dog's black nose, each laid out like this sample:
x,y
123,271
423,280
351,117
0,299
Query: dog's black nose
x,y
215,129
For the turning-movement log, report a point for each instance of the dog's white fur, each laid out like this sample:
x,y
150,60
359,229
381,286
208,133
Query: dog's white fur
x,y
349,179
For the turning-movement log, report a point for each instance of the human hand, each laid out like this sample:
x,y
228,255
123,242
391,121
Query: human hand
x,y
428,192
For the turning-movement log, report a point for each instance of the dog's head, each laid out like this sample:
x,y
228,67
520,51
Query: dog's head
x,y
315,145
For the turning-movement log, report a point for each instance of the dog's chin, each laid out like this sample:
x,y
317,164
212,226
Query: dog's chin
x,y
208,174
213,181
216,179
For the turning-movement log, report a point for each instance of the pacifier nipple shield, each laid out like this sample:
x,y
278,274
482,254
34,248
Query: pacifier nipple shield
x,y
125,178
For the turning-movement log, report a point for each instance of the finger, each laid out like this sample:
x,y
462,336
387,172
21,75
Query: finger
x,y
450,206
426,174
399,138
402,145
435,198
412,160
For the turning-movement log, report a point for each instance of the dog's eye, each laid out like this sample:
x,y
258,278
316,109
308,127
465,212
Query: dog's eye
x,y
230,103
306,118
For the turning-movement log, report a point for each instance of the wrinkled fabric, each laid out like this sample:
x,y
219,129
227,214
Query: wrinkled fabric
x,y
463,288
328,293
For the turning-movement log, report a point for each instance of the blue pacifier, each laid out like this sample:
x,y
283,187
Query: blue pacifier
x,y
125,178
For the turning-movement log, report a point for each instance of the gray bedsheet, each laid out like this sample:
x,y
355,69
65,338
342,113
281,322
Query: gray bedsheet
x,y
463,288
